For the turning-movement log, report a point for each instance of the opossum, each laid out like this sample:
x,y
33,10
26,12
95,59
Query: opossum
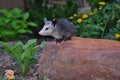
x,y
61,29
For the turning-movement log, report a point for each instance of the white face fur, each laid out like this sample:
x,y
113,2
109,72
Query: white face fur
x,y
47,29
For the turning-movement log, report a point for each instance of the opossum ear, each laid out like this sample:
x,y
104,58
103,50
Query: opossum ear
x,y
54,21
45,20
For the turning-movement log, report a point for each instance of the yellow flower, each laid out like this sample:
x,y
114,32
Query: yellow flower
x,y
91,13
79,20
84,16
9,75
71,17
101,3
118,6
117,35
74,14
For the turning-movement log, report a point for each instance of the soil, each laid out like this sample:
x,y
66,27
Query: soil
x,y
6,62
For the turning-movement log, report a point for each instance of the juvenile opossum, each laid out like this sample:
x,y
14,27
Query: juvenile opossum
x,y
61,29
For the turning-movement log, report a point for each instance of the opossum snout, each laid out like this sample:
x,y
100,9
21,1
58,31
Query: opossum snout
x,y
42,33
39,33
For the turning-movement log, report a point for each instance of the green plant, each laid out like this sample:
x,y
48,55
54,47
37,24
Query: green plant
x,y
2,79
23,54
65,11
14,23
102,22
94,3
45,78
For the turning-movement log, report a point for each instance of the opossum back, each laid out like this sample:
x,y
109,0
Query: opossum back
x,y
65,25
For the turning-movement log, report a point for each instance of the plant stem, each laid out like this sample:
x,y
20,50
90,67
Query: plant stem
x,y
105,27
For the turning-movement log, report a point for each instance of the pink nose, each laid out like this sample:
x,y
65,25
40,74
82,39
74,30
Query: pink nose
x,y
39,33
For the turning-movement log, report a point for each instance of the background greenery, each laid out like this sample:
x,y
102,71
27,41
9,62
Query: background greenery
x,y
14,24
102,22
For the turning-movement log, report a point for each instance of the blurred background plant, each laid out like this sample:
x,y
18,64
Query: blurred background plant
x,y
40,8
94,3
14,24
102,22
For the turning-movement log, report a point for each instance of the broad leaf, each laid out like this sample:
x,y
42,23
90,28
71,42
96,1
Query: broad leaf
x,y
24,31
26,16
32,24
17,12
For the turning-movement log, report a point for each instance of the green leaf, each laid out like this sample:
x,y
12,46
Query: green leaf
x,y
32,24
32,60
11,51
26,55
18,49
8,48
3,11
16,12
45,78
6,13
24,31
2,21
41,44
26,16
19,43
6,20
30,43
8,33
15,25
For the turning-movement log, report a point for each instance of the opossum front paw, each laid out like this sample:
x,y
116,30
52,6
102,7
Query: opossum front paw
x,y
58,44
59,40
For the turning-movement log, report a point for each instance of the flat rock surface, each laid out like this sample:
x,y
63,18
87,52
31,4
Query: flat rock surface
x,y
81,59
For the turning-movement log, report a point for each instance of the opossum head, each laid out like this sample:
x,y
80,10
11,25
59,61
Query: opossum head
x,y
48,28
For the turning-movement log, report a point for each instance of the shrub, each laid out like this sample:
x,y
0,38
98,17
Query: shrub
x,y
13,24
101,22
94,3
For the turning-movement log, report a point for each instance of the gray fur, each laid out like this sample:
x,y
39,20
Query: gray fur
x,y
61,29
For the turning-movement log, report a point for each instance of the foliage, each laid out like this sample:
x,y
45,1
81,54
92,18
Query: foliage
x,y
41,8
94,3
14,23
102,22
45,78
23,54
2,79
65,11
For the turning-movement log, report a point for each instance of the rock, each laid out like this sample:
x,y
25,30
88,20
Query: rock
x,y
81,59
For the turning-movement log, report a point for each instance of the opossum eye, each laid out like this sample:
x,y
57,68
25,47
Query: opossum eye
x,y
46,28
